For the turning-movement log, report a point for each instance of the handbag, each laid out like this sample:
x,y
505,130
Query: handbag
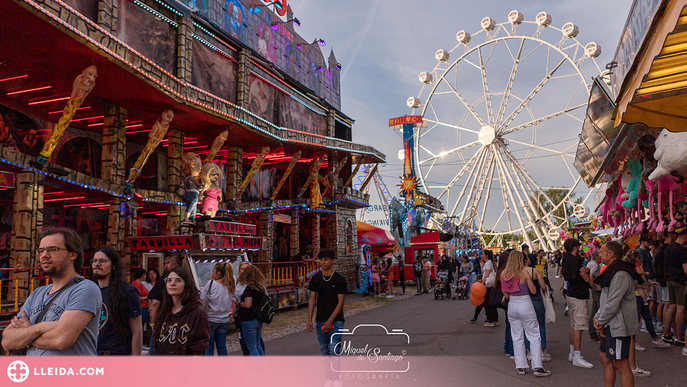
x,y
548,307
496,298
206,300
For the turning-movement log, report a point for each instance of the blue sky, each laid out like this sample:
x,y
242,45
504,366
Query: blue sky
x,y
383,45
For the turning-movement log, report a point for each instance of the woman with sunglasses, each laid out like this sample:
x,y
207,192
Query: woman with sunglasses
x,y
181,325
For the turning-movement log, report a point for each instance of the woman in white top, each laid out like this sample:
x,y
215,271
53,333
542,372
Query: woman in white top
x,y
218,295
237,298
151,278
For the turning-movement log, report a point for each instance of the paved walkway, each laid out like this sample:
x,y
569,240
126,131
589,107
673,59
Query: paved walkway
x,y
469,354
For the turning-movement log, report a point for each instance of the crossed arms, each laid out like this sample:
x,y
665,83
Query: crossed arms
x,y
48,335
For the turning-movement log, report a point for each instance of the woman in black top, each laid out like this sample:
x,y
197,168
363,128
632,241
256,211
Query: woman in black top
x,y
251,328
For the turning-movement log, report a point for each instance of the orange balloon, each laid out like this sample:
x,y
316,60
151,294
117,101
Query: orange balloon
x,y
476,301
478,289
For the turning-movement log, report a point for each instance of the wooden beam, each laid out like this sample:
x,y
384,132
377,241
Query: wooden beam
x,y
316,164
355,172
369,177
292,164
334,175
254,168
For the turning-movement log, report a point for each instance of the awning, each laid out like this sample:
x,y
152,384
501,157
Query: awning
x,y
655,92
374,236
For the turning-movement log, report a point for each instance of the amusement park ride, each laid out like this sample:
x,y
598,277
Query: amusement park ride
x,y
467,103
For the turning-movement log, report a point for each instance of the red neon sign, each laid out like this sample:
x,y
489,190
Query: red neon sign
x,y
279,5
230,227
405,120
161,243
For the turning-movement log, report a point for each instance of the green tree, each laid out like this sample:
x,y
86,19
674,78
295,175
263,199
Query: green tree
x,y
556,195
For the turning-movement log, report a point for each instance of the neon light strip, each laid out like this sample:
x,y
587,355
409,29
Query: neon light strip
x,y
96,124
49,100
205,42
13,78
53,193
139,131
174,10
64,199
213,36
88,118
271,84
29,90
60,111
82,204
133,126
156,13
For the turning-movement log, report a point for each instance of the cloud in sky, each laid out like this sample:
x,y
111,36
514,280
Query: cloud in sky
x,y
384,45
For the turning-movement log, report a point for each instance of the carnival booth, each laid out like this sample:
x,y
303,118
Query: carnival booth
x,y
372,241
425,244
214,241
633,143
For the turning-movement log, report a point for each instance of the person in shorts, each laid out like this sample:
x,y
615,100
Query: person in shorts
x,y
616,321
577,276
675,261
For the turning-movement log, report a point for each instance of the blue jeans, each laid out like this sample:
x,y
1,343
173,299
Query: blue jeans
x,y
218,335
191,201
152,345
508,340
329,343
539,309
252,334
470,279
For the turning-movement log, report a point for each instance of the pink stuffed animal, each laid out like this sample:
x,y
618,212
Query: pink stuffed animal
x,y
669,184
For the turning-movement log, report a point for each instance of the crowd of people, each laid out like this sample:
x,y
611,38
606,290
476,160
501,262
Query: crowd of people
x,y
106,315
613,291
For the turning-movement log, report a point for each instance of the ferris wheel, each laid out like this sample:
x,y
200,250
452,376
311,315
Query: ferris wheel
x,y
502,122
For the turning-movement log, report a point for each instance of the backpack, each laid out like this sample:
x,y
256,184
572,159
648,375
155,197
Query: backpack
x,y
265,310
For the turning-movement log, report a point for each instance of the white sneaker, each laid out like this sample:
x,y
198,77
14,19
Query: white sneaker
x,y
640,372
638,347
658,343
570,356
580,362
684,351
390,296
545,357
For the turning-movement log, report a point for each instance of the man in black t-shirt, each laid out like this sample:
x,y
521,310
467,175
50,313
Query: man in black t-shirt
x,y
417,272
529,255
577,275
327,289
675,266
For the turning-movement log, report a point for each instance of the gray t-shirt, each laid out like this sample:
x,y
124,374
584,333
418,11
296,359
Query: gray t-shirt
x,y
82,296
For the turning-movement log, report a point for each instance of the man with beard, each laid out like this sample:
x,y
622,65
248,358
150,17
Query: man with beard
x,y
121,332
172,261
60,319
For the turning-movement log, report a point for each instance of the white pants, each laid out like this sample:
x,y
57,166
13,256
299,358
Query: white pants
x,y
523,319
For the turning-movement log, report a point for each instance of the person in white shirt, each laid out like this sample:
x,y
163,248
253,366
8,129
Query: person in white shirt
x,y
218,297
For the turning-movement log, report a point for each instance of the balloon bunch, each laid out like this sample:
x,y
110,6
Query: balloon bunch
x,y
477,293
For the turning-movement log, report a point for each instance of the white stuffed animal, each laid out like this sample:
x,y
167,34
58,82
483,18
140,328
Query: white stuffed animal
x,y
671,153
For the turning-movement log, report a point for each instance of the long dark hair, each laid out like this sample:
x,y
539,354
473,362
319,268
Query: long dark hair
x,y
189,294
503,261
116,291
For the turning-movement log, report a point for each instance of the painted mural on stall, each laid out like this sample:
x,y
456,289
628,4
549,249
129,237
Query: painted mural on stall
x,y
214,72
261,98
253,23
151,36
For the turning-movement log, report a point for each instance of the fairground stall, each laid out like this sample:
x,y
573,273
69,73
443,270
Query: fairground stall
x,y
634,138
125,120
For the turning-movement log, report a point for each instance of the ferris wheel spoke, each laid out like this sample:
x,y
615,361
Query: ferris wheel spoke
x,y
475,191
467,105
542,119
485,85
533,50
510,188
451,126
467,166
568,166
479,162
426,132
446,153
486,198
529,97
540,147
509,86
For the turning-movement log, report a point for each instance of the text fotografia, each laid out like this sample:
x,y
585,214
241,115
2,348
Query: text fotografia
x,y
373,355
68,371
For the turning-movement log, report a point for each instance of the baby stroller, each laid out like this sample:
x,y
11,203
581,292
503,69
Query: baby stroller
x,y
442,288
461,292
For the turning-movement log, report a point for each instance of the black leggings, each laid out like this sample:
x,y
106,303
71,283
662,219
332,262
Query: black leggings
x,y
490,310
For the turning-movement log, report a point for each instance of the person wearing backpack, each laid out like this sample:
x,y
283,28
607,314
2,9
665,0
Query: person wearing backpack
x,y
251,326
417,272
328,290
218,304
